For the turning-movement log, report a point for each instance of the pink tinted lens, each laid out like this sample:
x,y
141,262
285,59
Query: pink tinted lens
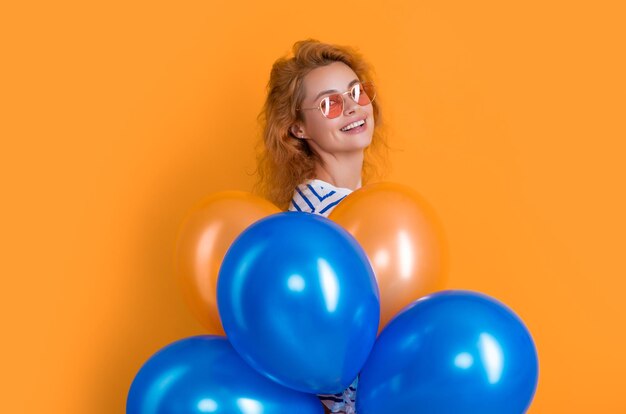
x,y
363,93
332,106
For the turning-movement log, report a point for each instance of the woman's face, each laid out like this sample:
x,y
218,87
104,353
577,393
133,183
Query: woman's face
x,y
326,135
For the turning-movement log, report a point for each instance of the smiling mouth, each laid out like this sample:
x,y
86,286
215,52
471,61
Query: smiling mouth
x,y
354,125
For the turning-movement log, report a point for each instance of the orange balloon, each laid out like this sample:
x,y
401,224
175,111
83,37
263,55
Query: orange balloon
x,y
204,237
402,238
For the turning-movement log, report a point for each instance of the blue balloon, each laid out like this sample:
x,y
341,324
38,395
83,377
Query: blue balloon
x,y
298,300
204,374
454,352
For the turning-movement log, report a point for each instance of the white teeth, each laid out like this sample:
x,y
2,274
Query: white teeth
x,y
353,125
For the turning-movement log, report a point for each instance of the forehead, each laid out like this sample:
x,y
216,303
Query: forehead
x,y
336,75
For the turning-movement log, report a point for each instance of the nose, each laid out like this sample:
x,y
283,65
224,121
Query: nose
x,y
349,106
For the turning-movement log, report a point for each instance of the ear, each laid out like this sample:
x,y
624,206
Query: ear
x,y
297,131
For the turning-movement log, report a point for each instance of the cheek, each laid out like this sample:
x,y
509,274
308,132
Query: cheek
x,y
322,126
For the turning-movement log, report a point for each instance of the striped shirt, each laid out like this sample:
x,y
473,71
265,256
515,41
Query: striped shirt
x,y
320,197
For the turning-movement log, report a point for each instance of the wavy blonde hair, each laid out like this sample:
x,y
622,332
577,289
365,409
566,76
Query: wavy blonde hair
x,y
284,161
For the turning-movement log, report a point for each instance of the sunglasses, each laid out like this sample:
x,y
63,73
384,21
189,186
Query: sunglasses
x,y
331,106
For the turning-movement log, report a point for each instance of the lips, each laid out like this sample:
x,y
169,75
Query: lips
x,y
357,127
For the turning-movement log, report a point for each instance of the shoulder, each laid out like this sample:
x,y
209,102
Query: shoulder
x,y
318,197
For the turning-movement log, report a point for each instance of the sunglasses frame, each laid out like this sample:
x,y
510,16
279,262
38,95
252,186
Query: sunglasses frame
x,y
349,91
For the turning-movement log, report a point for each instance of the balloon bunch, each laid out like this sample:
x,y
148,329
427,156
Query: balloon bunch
x,y
301,299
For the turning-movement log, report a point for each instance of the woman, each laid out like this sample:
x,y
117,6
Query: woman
x,y
321,126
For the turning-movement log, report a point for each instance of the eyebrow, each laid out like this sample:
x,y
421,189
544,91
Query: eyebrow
x,y
334,90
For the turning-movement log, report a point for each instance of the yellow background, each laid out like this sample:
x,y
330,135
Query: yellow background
x,y
116,117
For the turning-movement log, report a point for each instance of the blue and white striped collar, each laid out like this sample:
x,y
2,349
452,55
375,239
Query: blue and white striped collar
x,y
325,187
318,197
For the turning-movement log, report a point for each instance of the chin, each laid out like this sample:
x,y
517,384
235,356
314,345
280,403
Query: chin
x,y
365,141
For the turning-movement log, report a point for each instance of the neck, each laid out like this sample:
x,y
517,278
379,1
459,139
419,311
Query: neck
x,y
341,170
